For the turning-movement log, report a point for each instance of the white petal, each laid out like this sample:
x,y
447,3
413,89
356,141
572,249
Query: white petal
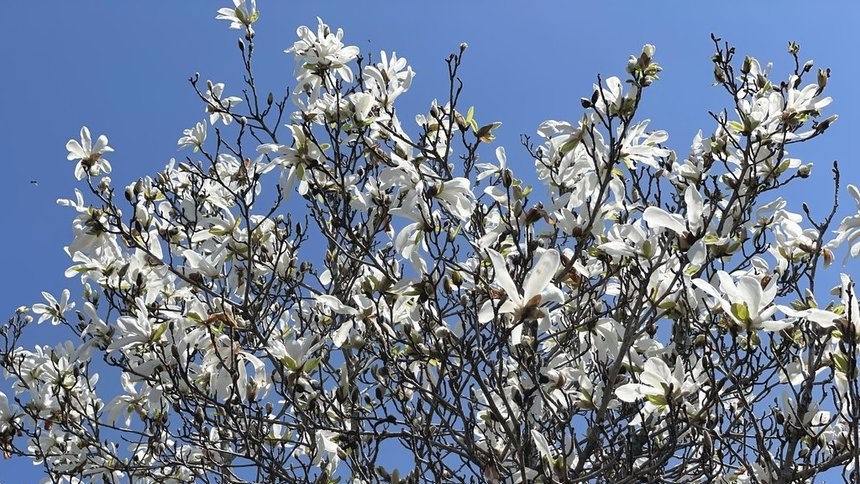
x,y
657,217
502,277
541,274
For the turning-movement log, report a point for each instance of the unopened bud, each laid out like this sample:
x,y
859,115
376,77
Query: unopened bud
x,y
823,75
804,171
747,65
648,50
507,178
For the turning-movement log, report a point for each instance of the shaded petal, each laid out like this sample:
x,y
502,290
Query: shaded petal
x,y
541,274
657,217
502,277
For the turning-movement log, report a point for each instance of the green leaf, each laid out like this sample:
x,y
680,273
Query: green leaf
x,y
485,133
470,115
659,400
742,312
159,331
569,146
291,363
311,364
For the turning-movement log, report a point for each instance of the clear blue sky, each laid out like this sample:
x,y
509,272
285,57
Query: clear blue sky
x,y
120,67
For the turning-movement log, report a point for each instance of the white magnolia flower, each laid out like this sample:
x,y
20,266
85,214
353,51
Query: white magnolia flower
x,y
295,160
54,310
321,52
193,137
456,196
658,385
241,16
389,78
8,419
849,228
538,291
90,155
327,450
218,106
747,303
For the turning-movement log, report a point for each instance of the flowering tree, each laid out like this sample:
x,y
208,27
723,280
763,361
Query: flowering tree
x,y
311,304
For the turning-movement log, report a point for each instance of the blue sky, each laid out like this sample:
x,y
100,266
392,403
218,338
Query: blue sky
x,y
121,69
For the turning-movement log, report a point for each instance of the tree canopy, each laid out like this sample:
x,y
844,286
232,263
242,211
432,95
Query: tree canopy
x,y
327,289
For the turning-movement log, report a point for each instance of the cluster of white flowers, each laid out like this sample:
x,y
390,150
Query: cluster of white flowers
x,y
645,304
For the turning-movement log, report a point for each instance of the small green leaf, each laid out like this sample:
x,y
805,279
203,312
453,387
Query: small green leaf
x,y
742,312
470,115
311,364
159,331
659,400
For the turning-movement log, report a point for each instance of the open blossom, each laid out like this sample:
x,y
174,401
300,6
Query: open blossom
x,y
193,137
90,155
747,303
319,53
54,310
658,385
218,106
538,290
241,16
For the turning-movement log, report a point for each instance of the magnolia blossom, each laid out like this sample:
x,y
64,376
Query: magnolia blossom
x,y
193,137
317,54
537,291
218,106
90,155
747,303
54,310
658,385
242,15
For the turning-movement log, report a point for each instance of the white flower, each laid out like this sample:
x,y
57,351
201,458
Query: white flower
x,y
658,385
489,169
747,303
295,160
538,290
456,196
242,16
193,137
327,449
318,53
217,106
54,310
90,156
389,78
849,228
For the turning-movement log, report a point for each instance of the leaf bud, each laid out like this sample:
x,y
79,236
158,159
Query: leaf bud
x,y
507,178
823,75
270,99
461,122
793,47
747,65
